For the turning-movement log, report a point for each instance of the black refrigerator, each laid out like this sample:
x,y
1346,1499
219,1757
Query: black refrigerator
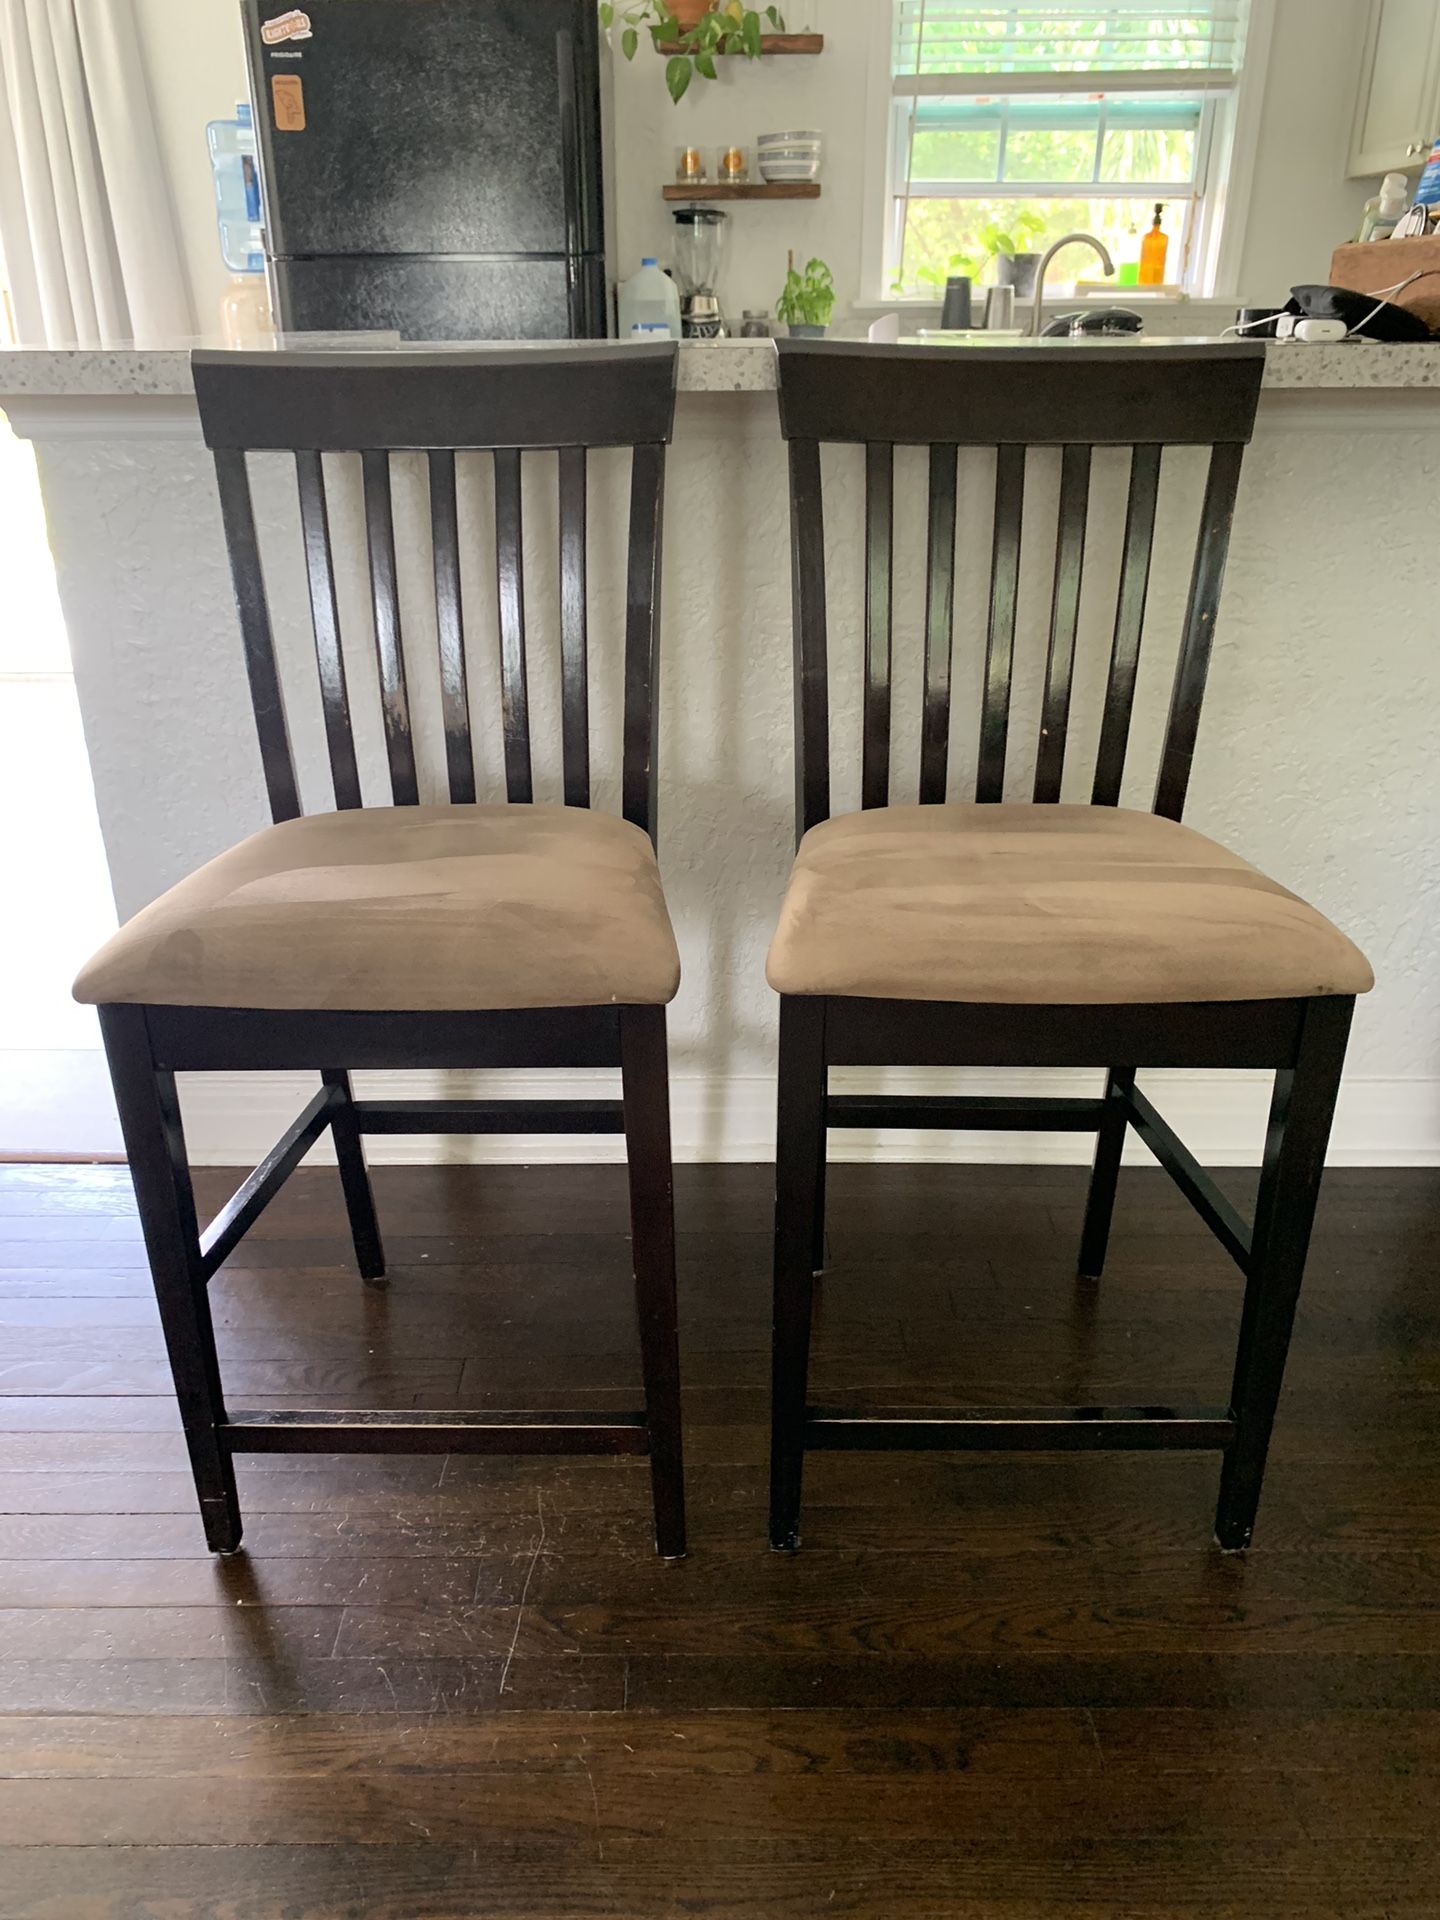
x,y
433,167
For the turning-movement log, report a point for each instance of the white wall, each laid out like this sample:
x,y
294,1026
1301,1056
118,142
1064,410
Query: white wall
x,y
1302,206
1316,757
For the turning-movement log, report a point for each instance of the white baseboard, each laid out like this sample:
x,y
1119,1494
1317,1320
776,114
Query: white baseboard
x,y
55,1102
231,1119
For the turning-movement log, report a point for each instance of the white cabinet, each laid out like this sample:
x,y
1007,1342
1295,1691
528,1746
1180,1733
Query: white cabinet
x,y
1397,111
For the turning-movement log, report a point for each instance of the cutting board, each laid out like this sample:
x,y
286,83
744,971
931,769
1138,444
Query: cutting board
x,y
1380,263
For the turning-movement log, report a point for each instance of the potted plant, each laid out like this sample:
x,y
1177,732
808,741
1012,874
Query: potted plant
x,y
1016,264
696,32
807,301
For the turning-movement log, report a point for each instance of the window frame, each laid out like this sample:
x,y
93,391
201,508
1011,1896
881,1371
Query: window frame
x,y
1215,231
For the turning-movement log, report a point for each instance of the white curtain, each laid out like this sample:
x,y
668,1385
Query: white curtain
x,y
86,219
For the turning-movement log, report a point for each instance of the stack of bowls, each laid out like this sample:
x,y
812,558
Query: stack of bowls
x,y
788,156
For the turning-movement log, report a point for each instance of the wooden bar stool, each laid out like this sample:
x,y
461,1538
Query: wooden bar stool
x,y
1001,934
449,937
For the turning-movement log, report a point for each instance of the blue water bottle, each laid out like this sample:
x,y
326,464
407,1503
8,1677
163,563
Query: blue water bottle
x,y
237,190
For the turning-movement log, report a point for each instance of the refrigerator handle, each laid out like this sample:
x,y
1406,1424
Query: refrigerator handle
x,y
570,176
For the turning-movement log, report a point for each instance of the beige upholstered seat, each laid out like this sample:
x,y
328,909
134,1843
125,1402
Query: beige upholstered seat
x,y
407,909
1044,905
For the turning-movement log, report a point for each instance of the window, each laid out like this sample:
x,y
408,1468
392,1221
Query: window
x,y
1009,125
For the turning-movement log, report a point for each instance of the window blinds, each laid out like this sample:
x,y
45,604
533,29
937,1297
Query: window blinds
x,y
1065,46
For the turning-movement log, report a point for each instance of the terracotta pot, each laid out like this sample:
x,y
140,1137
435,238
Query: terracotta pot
x,y
689,12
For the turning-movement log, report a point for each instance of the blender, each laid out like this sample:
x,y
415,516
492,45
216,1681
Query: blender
x,y
699,249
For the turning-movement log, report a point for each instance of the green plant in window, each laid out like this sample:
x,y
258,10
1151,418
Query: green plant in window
x,y
1019,237
728,26
970,265
807,299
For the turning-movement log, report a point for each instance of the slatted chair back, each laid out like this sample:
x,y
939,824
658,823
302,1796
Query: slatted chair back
x,y
502,401
1009,399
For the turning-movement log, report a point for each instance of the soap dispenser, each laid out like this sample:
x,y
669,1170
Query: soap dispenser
x,y
1153,249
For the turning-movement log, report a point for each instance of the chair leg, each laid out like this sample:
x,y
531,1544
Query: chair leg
x,y
155,1146
817,1236
646,1088
799,1158
1109,1146
1301,1111
355,1180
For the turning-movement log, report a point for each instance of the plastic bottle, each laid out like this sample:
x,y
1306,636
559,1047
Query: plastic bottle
x,y
649,300
1127,274
1385,208
1427,194
1153,249
237,190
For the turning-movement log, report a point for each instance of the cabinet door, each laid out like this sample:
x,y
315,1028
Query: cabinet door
x,y
1399,97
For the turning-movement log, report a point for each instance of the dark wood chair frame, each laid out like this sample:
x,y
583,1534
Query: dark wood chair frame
x,y
1074,398
568,400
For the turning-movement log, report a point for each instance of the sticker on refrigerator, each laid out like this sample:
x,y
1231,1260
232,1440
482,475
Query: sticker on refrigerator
x,y
287,91
294,25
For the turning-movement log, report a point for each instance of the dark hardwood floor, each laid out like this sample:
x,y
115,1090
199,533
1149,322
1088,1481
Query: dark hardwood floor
x,y
988,1686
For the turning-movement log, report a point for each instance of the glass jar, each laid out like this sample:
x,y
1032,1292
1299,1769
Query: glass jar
x,y
692,166
755,325
734,166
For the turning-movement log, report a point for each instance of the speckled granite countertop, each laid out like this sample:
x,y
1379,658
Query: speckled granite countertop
x,y
728,366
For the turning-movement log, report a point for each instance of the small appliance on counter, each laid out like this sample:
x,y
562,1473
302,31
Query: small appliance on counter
x,y
433,167
699,249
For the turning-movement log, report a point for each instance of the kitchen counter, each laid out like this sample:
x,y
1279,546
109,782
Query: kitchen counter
x,y
726,366
1316,755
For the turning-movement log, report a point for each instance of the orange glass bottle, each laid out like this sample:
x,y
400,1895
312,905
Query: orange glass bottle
x,y
1153,249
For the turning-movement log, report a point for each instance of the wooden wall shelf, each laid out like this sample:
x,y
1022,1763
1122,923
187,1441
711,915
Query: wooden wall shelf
x,y
769,190
769,43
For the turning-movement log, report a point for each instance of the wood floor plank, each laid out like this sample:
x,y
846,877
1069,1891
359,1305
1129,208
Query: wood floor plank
x,y
987,1688
1378,1880
414,1581
569,1812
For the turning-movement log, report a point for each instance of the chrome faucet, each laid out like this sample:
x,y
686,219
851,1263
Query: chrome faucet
x,y
1037,316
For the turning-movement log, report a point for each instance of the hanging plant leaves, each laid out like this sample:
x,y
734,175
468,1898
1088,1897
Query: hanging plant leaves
x,y
728,27
677,76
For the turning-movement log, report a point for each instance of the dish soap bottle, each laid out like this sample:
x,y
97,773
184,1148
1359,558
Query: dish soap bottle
x,y
1128,272
1385,209
1153,249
